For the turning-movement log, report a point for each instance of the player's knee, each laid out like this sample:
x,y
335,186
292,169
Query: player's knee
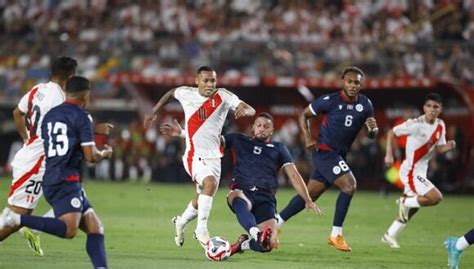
x,y
71,232
437,198
349,189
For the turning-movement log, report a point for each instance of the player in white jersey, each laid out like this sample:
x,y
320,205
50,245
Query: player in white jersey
x,y
205,110
28,164
425,135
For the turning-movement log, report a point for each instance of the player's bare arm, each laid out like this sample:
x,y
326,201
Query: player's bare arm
x,y
103,128
300,187
149,118
171,129
19,119
445,148
303,120
244,110
372,129
389,148
94,155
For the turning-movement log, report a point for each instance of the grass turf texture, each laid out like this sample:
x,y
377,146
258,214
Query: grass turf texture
x,y
139,233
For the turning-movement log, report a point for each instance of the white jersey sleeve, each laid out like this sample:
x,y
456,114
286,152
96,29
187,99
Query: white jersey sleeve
x,y
406,128
442,138
23,104
231,100
180,93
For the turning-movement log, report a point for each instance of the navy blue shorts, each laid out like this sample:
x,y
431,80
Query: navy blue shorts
x,y
263,204
328,166
66,197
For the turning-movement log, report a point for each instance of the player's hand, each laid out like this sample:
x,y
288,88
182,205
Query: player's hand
x,y
107,151
149,118
240,112
171,129
451,144
313,207
371,123
389,160
103,128
311,144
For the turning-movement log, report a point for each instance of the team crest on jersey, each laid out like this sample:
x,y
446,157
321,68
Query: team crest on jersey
x,y
326,98
75,202
336,170
359,107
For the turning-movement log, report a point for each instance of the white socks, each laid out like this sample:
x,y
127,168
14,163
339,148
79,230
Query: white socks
x,y
204,209
395,228
462,243
411,202
245,245
254,233
188,215
280,220
336,231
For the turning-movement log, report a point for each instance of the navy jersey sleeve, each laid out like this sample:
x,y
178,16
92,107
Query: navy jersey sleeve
x,y
229,140
285,156
320,105
86,133
370,109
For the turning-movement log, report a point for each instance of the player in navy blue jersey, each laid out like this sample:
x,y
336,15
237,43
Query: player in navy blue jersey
x,y
343,115
68,137
252,196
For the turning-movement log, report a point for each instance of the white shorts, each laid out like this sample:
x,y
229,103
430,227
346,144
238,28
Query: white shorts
x,y
201,168
415,181
27,185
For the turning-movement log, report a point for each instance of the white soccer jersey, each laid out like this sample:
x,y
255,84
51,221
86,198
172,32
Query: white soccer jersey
x,y
35,104
204,120
422,139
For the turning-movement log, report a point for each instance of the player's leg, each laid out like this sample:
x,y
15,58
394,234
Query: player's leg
x,y
315,187
6,231
347,185
456,246
93,227
397,226
180,221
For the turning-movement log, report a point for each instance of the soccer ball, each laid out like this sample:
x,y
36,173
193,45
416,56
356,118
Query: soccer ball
x,y
218,249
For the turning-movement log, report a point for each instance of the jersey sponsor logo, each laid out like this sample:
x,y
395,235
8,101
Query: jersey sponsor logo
x,y
75,202
336,170
350,107
359,108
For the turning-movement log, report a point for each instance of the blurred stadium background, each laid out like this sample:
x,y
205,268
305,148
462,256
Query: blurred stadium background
x,y
264,51
275,55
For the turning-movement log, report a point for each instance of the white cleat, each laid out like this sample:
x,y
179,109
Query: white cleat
x,y
9,218
202,237
403,211
179,231
391,241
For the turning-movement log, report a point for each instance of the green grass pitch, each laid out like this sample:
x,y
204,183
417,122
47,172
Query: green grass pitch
x,y
139,233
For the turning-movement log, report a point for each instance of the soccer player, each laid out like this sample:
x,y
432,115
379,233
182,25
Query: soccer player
x,y
425,135
28,164
343,115
253,188
456,246
68,138
205,109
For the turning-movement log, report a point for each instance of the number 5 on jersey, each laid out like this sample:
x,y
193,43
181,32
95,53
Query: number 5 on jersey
x,y
60,145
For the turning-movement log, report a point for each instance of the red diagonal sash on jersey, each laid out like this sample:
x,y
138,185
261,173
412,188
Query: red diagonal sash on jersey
x,y
196,121
26,176
422,151
29,114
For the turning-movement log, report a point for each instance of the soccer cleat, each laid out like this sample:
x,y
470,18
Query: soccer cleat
x,y
237,246
264,237
202,237
391,241
9,218
454,254
33,241
179,231
339,243
403,211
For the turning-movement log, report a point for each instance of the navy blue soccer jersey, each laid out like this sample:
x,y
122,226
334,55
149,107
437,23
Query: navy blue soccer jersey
x,y
64,130
341,121
256,163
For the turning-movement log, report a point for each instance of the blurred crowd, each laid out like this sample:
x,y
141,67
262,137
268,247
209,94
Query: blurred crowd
x,y
387,38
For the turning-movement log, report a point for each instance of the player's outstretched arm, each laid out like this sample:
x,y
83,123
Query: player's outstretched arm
x,y
19,119
149,118
389,148
244,110
445,148
173,129
300,187
93,155
372,129
303,121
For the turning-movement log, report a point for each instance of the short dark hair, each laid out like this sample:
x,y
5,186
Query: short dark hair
x,y
63,67
77,84
352,69
205,68
434,97
265,115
